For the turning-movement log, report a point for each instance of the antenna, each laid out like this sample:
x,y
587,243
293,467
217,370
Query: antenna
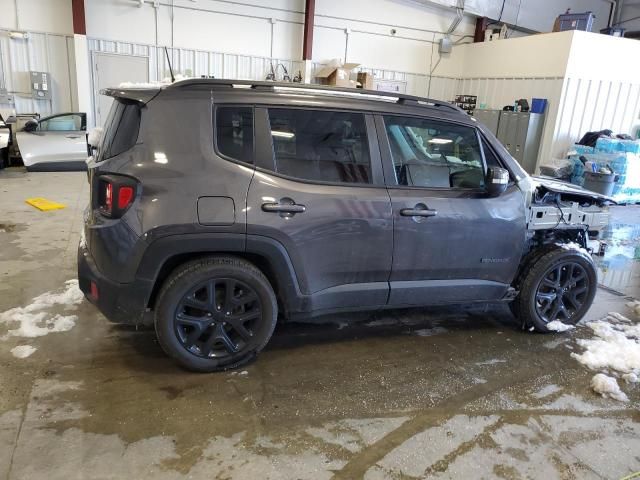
x,y
166,52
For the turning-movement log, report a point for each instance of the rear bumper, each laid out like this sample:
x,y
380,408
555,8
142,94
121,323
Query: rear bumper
x,y
119,302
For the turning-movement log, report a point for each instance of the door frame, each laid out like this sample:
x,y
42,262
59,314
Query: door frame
x,y
93,71
440,289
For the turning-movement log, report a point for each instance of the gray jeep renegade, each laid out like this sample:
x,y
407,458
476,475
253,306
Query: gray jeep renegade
x,y
218,205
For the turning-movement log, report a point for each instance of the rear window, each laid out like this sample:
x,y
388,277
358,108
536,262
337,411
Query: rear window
x,y
121,129
234,132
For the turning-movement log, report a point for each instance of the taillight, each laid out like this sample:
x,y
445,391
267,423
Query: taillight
x,y
125,197
115,195
108,197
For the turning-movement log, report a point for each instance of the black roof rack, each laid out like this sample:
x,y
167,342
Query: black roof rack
x,y
401,98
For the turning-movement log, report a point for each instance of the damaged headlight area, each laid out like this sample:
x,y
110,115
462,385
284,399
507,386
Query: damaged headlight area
x,y
562,212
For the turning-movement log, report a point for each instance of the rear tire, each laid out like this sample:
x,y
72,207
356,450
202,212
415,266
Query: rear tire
x,y
559,285
215,313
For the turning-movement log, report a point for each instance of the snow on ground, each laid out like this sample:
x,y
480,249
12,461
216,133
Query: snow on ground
x,y
635,307
23,351
34,320
428,332
558,326
493,361
615,349
608,387
615,346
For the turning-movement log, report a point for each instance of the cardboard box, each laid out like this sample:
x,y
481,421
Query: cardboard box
x,y
365,80
337,74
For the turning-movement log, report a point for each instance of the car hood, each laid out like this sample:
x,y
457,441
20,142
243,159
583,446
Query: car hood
x,y
558,186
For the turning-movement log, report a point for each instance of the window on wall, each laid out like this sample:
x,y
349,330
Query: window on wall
x,y
234,132
318,145
430,153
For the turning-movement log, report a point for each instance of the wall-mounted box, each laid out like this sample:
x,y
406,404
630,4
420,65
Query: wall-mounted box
x,y
40,85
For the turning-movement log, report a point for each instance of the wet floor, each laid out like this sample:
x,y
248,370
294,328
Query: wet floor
x,y
434,393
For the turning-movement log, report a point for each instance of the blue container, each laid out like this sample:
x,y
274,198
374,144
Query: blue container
x,y
538,105
576,21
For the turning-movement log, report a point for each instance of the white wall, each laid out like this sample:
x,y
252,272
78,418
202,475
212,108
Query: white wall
x,y
222,26
50,16
590,80
601,90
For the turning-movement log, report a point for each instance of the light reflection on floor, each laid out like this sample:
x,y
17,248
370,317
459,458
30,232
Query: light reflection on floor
x,y
619,269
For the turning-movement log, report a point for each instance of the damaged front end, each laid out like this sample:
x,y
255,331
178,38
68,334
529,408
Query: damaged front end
x,y
560,212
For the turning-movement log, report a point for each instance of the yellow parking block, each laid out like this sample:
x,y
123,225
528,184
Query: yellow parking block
x,y
43,204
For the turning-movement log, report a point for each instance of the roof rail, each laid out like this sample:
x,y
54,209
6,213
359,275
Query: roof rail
x,y
400,98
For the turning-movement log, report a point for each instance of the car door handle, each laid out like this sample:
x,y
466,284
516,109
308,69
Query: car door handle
x,y
418,212
283,207
72,136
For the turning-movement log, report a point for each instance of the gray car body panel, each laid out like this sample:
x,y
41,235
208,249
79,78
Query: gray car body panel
x,y
349,249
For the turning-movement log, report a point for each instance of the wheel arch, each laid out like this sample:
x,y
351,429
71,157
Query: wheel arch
x,y
164,255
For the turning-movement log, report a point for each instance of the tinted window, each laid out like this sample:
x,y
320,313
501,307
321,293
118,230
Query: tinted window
x,y
429,153
62,123
234,132
121,129
321,145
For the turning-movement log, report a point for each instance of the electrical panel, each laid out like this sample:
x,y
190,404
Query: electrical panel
x,y
41,85
5,98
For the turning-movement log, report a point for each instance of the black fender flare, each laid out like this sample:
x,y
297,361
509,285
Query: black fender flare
x,y
162,250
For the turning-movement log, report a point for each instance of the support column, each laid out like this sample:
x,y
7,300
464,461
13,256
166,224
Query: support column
x,y
81,61
309,16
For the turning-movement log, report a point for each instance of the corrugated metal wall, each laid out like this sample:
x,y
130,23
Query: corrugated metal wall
x,y
40,52
590,105
196,63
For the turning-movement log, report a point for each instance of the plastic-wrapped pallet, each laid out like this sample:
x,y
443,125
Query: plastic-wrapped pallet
x,y
581,149
612,145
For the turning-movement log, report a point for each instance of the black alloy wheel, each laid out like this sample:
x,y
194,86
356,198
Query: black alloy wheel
x,y
215,313
556,283
217,318
562,292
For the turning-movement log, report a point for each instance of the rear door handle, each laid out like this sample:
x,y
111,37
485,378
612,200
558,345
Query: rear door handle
x,y
283,208
418,212
72,136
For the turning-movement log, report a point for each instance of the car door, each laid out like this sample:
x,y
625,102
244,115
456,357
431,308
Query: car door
x,y
320,194
58,140
452,243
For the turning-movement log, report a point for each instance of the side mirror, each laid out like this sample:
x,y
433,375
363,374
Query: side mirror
x,y
497,181
30,125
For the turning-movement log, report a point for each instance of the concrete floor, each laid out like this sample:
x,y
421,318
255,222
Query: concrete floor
x,y
458,393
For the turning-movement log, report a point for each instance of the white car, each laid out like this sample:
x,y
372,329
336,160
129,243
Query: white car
x,y
54,143
5,133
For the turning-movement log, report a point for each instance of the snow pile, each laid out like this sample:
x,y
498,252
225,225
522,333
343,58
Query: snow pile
x,y
573,246
635,307
608,387
558,326
615,349
23,351
94,137
34,321
161,83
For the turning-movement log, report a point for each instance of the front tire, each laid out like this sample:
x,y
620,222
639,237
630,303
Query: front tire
x,y
560,285
215,313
